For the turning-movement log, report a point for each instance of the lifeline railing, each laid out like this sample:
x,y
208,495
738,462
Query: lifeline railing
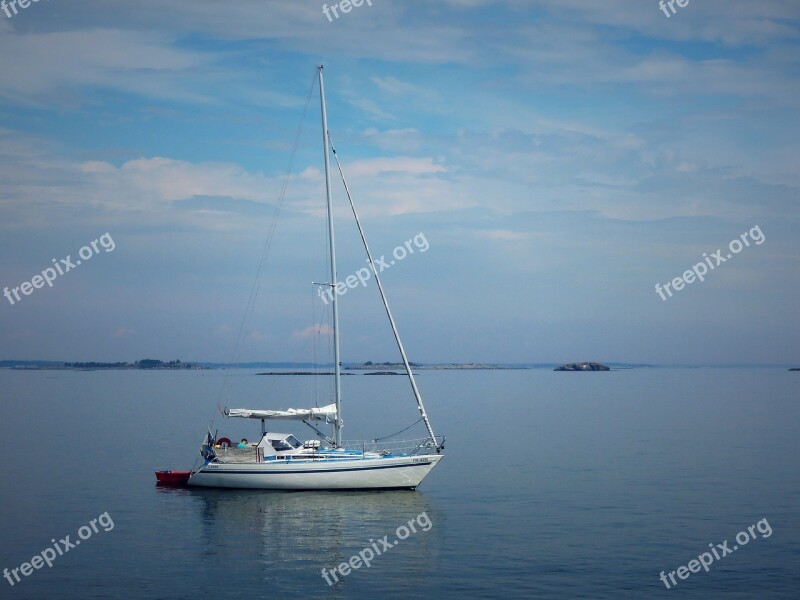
x,y
410,447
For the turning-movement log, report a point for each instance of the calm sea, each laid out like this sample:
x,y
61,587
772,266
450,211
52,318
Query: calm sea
x,y
554,485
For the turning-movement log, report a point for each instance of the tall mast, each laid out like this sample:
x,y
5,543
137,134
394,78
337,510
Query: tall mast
x,y
337,426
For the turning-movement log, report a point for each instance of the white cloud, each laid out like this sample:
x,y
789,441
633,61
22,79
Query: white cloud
x,y
313,331
49,63
401,164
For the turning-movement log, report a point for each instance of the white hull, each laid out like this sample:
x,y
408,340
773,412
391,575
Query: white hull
x,y
400,472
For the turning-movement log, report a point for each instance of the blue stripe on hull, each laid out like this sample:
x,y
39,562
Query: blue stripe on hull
x,y
286,471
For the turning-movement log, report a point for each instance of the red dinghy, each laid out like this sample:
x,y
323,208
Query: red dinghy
x,y
172,478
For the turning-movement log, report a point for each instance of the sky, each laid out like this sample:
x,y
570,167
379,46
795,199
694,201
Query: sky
x,y
556,159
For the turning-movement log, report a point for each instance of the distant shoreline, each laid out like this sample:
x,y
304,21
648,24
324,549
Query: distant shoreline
x,y
310,368
146,364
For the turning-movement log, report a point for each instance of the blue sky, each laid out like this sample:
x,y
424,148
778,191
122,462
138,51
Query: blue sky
x,y
561,158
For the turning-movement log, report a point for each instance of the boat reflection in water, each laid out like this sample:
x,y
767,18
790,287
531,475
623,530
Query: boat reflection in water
x,y
281,541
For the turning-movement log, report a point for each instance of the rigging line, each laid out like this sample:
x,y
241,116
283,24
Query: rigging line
x,y
386,437
314,352
327,315
315,349
267,243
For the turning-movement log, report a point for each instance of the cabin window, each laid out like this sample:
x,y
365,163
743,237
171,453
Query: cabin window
x,y
280,445
294,441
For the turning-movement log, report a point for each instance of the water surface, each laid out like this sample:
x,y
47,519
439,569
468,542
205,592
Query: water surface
x,y
554,485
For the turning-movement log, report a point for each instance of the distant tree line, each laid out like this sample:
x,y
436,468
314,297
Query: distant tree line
x,y
96,365
369,363
145,363
151,363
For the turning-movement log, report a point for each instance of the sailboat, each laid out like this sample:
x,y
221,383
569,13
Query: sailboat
x,y
281,461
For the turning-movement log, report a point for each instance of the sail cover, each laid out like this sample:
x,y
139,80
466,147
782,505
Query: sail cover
x,y
324,413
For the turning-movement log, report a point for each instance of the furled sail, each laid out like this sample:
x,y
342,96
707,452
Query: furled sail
x,y
324,413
